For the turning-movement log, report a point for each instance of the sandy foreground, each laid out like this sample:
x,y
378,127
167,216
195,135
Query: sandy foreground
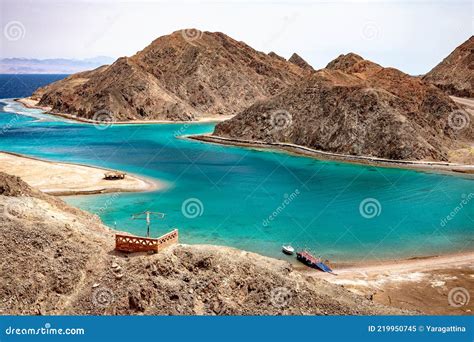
x,y
434,285
70,179
31,103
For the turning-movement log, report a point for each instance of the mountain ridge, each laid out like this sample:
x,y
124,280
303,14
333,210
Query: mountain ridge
x,y
455,73
357,107
182,76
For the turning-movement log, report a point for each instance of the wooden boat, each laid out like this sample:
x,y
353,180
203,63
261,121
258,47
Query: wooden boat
x,y
287,250
309,260
114,175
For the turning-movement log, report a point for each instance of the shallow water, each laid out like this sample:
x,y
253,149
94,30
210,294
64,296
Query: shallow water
x,y
255,200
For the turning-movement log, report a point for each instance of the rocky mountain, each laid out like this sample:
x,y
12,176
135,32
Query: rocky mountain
x,y
299,61
357,107
455,74
182,76
60,260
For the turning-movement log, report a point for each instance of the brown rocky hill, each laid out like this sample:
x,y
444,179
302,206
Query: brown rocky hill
x,y
358,107
182,76
455,74
298,60
60,260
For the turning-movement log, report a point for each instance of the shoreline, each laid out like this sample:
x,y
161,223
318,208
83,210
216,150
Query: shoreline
x,y
298,150
423,284
28,102
71,179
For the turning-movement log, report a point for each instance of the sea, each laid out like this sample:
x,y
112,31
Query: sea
x,y
252,199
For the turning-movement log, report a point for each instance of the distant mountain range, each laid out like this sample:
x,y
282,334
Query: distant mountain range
x,y
51,66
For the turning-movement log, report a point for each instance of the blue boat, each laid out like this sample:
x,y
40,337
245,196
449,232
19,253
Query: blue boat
x,y
309,260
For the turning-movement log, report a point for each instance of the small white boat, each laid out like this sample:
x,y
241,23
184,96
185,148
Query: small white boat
x,y
288,250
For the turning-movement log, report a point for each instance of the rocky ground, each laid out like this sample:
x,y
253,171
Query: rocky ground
x,y
56,259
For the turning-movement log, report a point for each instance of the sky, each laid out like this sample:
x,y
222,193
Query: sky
x,y
412,36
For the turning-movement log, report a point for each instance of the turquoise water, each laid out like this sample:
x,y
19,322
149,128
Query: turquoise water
x,y
314,204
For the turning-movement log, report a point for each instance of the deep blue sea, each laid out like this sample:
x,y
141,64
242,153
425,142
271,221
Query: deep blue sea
x,y
246,198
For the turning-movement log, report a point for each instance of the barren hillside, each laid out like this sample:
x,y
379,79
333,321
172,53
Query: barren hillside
x,y
60,260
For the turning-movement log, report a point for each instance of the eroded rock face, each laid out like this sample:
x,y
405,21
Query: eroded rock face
x,y
455,74
357,107
299,61
181,76
60,260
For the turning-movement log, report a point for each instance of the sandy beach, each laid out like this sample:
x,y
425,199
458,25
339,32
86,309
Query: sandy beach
x,y
420,284
28,102
65,179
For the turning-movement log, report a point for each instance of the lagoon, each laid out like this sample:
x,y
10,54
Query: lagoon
x,y
252,199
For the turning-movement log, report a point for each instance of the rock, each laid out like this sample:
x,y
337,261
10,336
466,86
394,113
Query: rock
x,y
299,61
455,74
357,107
174,78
